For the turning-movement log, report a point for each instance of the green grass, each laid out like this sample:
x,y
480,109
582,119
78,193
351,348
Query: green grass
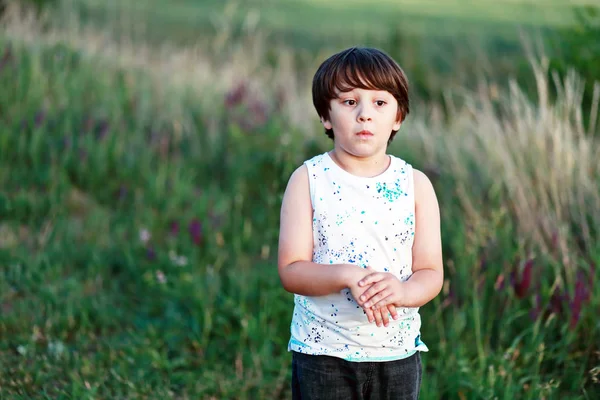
x,y
313,22
139,221
439,44
101,188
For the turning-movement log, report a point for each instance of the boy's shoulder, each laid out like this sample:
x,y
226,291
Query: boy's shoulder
x,y
315,160
399,161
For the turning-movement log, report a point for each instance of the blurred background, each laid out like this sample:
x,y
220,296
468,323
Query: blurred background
x,y
145,147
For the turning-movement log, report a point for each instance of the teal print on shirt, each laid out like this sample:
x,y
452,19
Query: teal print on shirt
x,y
390,193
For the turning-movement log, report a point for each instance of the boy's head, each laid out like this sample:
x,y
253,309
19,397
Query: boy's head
x,y
359,68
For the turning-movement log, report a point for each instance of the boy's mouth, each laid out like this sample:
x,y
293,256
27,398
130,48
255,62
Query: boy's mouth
x,y
364,133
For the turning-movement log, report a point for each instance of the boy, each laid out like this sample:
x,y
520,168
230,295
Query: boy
x,y
359,241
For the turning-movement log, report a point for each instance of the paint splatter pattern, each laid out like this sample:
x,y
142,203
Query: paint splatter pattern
x,y
366,222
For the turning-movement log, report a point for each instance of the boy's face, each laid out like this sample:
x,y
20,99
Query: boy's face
x,y
363,120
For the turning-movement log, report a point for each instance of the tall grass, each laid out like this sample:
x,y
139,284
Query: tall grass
x,y
139,217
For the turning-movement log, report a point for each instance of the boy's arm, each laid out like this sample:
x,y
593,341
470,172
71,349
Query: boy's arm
x,y
428,275
297,272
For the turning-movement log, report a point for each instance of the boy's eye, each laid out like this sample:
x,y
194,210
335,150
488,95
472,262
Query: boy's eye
x,y
350,102
380,103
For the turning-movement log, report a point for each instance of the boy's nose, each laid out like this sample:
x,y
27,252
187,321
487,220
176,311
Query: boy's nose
x,y
363,115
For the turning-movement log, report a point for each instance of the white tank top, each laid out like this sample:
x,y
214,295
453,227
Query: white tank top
x,y
367,222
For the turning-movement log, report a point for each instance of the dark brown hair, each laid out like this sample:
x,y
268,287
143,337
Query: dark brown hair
x,y
362,68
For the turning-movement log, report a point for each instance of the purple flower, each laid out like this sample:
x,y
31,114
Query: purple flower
x,y
522,285
259,110
581,296
102,129
195,230
39,118
535,311
174,228
150,254
556,302
236,95
582,292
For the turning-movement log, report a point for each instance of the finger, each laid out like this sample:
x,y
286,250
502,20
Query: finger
x,y
393,312
377,297
382,303
371,278
372,291
370,315
377,314
384,316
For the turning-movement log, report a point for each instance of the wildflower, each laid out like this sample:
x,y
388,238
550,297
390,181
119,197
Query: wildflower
x,y
101,129
180,261
22,350
56,348
144,235
236,95
195,230
522,286
581,296
160,277
556,302
174,228
535,311
151,254
39,118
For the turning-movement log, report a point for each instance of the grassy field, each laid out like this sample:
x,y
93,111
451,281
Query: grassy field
x,y
440,44
318,22
139,211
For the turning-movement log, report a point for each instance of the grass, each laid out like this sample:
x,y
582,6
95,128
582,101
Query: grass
x,y
139,223
336,20
440,46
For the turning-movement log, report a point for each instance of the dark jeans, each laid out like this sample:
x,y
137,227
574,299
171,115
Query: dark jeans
x,y
325,377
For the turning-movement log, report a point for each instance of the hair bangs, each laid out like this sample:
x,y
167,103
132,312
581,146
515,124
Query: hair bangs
x,y
359,72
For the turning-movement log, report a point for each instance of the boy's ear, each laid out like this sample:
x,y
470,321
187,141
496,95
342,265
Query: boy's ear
x,y
398,122
326,123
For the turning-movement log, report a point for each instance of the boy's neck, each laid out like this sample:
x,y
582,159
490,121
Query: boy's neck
x,y
365,167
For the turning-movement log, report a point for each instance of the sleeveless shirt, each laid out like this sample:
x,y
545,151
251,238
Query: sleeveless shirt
x,y
367,222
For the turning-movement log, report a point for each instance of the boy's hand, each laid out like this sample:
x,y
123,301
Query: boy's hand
x,y
383,290
379,316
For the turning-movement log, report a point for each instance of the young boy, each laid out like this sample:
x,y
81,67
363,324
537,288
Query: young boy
x,y
359,241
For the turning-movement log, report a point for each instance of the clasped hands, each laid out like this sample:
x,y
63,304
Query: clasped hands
x,y
378,293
